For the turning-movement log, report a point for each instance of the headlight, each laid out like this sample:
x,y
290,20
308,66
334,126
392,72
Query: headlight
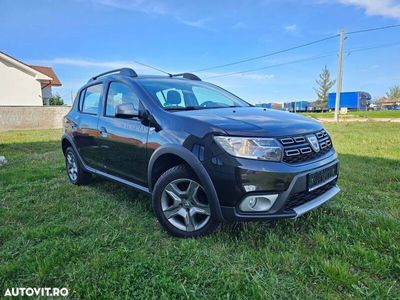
x,y
253,148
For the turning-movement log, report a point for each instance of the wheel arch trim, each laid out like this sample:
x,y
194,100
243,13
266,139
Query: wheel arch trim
x,y
72,142
196,166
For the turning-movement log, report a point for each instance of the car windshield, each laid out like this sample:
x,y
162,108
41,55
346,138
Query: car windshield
x,y
178,94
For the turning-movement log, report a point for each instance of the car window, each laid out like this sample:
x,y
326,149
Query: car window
x,y
204,95
92,98
162,97
119,93
175,94
81,96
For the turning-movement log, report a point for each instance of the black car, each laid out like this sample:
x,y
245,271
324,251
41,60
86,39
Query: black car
x,y
204,155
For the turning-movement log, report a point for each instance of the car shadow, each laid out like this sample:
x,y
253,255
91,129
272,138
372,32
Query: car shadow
x,y
355,172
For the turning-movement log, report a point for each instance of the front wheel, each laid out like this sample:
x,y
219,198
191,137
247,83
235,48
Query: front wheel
x,y
181,205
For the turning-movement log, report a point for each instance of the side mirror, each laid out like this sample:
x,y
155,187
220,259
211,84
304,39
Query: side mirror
x,y
126,111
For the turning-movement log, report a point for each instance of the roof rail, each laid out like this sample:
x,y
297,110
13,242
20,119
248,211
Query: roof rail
x,y
123,71
187,76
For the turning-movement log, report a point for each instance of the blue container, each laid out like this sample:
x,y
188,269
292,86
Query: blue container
x,y
350,100
298,106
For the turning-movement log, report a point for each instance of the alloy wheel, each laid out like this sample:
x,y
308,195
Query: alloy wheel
x,y
72,167
185,204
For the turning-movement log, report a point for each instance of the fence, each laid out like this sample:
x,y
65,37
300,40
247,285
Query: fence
x,y
32,117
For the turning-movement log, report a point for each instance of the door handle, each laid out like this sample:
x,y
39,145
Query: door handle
x,y
103,132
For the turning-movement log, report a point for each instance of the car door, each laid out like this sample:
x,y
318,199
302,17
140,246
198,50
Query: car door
x,y
123,141
86,122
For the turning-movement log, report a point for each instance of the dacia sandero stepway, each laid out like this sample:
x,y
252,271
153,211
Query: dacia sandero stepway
x,y
204,155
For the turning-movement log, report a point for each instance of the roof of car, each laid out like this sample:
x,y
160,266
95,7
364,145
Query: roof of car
x,y
161,77
131,73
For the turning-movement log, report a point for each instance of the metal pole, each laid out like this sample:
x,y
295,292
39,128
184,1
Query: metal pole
x,y
339,74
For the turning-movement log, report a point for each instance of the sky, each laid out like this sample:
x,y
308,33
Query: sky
x,y
82,38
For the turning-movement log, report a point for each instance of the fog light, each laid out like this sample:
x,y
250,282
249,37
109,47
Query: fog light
x,y
252,202
258,203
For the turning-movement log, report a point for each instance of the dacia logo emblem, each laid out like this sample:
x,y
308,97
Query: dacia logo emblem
x,y
312,139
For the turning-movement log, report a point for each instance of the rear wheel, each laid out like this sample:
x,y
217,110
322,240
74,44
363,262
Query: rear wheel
x,y
181,205
75,173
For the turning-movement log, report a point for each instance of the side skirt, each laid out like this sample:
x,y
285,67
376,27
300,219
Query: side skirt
x,y
118,179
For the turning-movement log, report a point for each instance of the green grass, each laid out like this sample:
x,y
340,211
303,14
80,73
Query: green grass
x,y
359,114
103,242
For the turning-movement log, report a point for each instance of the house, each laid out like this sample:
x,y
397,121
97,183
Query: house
x,y
271,105
388,102
25,85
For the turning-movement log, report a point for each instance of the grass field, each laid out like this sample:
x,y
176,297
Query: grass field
x,y
103,242
359,114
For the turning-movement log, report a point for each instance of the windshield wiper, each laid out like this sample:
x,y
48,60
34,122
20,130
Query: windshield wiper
x,y
228,106
198,107
183,108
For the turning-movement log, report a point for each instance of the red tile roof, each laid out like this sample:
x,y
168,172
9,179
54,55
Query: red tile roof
x,y
44,70
48,72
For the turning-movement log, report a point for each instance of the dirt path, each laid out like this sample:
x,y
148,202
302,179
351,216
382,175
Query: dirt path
x,y
331,120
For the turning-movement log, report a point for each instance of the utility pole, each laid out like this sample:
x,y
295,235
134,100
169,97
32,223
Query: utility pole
x,y
339,74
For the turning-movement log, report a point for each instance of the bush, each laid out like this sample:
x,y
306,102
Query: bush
x,y
56,100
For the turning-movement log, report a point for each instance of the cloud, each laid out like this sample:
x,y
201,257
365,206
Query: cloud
x,y
116,64
257,76
155,8
200,23
84,63
238,25
252,76
385,8
149,7
291,28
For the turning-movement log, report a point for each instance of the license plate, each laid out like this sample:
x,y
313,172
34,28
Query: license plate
x,y
322,177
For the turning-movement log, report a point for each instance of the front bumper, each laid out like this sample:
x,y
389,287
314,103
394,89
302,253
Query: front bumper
x,y
319,200
294,198
232,213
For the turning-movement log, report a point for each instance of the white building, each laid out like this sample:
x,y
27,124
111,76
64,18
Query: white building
x,y
24,85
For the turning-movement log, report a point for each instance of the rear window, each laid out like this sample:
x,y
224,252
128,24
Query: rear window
x,y
91,100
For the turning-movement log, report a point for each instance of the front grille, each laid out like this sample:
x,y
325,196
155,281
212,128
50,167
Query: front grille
x,y
298,149
303,197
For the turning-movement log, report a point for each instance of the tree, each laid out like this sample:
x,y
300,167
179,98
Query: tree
x,y
324,85
56,100
394,92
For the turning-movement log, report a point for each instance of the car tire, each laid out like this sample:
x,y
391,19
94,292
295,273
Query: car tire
x,y
75,172
181,205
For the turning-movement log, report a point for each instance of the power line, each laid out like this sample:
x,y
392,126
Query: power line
x,y
305,60
293,48
372,29
372,47
266,55
272,66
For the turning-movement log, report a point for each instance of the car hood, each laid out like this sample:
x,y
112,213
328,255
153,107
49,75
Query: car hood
x,y
254,121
